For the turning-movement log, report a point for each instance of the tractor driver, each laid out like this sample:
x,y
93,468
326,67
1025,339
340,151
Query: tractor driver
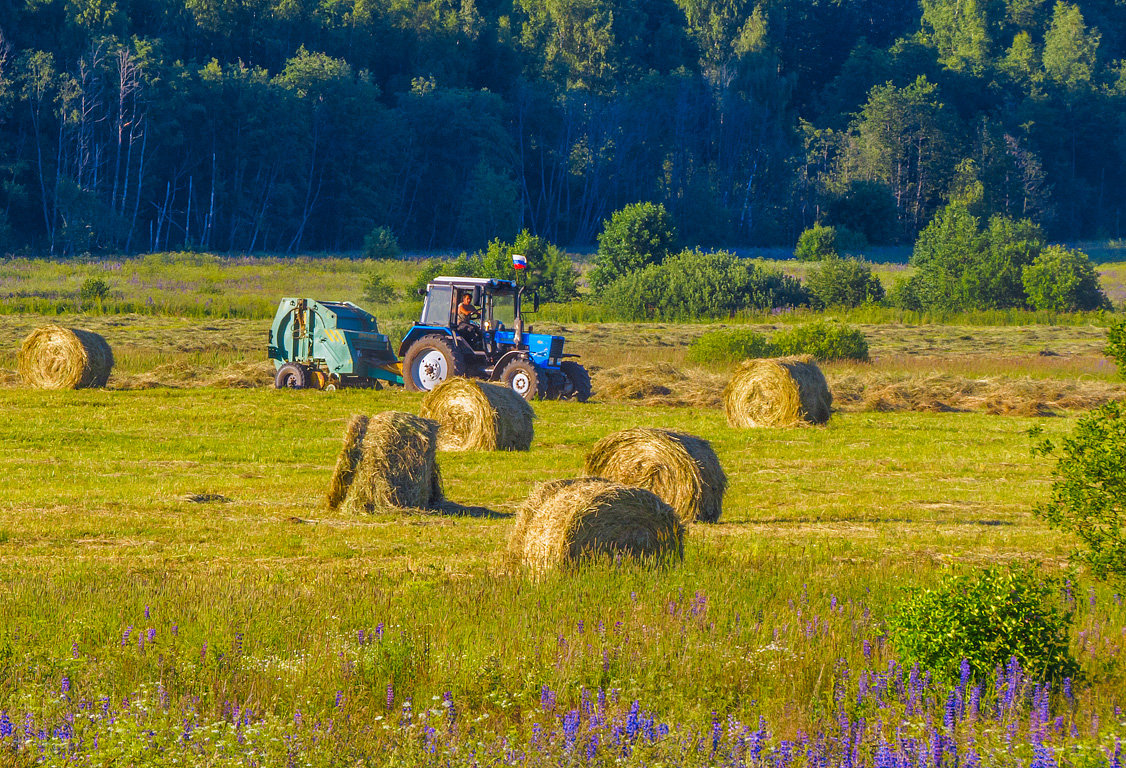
x,y
466,313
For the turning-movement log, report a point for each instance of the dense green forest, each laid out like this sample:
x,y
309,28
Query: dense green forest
x,y
287,125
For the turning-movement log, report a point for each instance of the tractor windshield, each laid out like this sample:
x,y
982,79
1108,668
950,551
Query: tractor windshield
x,y
504,309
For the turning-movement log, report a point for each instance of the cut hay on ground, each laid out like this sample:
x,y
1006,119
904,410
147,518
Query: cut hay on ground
x,y
350,454
659,384
476,415
395,468
943,392
682,469
565,521
185,375
777,392
53,357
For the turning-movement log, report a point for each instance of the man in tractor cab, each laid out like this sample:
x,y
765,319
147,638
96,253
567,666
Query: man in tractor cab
x,y
466,313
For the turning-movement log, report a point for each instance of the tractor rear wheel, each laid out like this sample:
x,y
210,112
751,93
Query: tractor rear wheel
x,y
525,379
576,382
291,376
430,361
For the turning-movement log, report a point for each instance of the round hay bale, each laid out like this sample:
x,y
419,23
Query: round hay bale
x,y
53,357
396,466
476,415
564,521
350,454
682,469
777,392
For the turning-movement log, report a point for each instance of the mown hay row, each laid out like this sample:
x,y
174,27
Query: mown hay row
x,y
659,384
477,415
566,521
680,468
53,357
943,392
387,461
777,392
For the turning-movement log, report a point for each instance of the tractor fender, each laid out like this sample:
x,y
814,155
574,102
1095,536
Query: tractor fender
x,y
505,359
417,332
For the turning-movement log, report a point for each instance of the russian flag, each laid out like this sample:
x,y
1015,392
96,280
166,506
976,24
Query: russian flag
x,y
518,261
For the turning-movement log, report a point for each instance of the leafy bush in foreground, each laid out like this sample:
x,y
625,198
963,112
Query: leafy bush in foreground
x,y
985,620
824,340
1116,345
1089,489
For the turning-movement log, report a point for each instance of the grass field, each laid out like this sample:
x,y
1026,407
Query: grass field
x,y
173,590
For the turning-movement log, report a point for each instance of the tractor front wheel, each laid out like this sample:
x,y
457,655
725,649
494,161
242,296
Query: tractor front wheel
x,y
291,376
430,361
525,379
576,382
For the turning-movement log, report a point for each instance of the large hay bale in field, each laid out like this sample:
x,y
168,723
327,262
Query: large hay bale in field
x,y
395,467
350,454
476,415
565,521
777,392
53,357
682,469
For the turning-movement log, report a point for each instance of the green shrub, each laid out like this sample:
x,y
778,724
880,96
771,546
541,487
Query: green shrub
x,y
634,237
381,243
823,339
816,243
1089,489
378,289
1063,280
728,345
93,289
961,265
844,283
1116,345
694,285
986,618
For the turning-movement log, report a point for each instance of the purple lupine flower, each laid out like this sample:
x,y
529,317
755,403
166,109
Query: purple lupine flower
x,y
867,649
379,631
950,716
570,729
1043,757
390,694
717,733
451,710
547,699
339,698
1067,690
125,636
6,728
64,687
360,637
152,634
238,643
632,721
580,626
592,747
175,629
147,612
74,650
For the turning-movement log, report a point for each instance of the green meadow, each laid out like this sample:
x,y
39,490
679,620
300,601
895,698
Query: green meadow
x,y
173,590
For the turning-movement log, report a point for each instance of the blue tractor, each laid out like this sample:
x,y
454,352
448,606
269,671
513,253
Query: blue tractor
x,y
328,344
489,343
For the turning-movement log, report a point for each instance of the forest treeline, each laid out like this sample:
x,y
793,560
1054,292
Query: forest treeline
x,y
296,125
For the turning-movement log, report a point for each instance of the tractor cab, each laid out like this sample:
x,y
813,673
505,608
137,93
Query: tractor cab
x,y
474,326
